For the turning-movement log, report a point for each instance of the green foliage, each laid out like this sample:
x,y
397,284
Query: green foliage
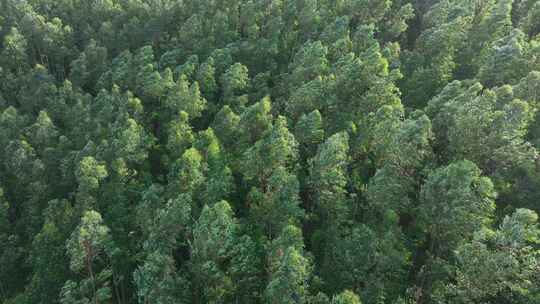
x,y
288,283
14,51
277,148
499,264
157,281
309,129
186,98
88,241
476,120
285,151
48,253
328,177
346,297
90,173
278,205
213,238
88,247
456,201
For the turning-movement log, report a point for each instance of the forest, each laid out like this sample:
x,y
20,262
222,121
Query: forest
x,y
269,151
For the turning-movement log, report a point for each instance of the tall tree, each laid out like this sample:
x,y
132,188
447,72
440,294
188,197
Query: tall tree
x,y
89,249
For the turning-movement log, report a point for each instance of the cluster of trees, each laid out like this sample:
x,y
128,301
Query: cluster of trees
x,y
269,151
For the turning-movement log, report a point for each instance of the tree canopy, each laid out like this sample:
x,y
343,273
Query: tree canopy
x,y
269,151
